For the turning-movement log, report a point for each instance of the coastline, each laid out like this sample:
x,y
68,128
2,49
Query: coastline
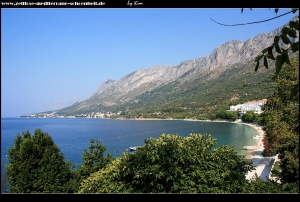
x,y
257,127
255,153
260,131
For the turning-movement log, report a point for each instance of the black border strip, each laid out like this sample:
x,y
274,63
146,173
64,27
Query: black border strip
x,y
133,4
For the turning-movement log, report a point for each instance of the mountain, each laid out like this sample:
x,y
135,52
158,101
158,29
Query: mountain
x,y
192,87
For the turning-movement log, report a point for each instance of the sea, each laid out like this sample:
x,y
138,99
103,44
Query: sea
x,y
73,135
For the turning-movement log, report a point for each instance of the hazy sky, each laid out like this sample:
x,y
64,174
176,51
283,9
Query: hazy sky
x,y
51,58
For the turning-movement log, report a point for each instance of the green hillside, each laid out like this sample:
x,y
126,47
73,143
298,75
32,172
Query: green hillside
x,y
197,95
201,97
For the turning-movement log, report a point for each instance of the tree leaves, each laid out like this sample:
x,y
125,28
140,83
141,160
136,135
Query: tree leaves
x,y
294,25
174,164
278,63
276,39
285,39
295,46
265,63
292,33
281,120
258,58
243,9
94,159
294,91
283,56
37,165
264,50
270,53
294,10
277,48
284,30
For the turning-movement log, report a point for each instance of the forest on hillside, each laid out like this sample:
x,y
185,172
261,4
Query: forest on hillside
x,y
203,97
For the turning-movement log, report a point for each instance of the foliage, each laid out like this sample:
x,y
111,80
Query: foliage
x,y
173,164
172,109
281,123
250,117
288,36
36,165
271,186
231,116
93,161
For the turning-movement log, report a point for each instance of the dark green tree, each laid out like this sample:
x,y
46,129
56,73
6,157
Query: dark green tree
x,y
93,161
249,117
174,164
271,186
281,123
231,116
36,165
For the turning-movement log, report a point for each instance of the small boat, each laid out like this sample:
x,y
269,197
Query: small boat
x,y
256,137
132,148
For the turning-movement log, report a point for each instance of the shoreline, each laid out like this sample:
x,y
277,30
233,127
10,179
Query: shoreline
x,y
263,165
255,153
257,127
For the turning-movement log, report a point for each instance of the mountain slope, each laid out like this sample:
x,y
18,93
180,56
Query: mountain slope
x,y
202,83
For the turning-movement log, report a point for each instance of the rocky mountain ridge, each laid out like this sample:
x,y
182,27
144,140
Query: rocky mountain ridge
x,y
231,52
113,93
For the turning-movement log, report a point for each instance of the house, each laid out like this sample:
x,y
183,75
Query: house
x,y
254,105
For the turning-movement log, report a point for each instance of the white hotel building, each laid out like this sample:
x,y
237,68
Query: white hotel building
x,y
253,105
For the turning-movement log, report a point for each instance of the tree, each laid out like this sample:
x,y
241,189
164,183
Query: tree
x,y
249,117
93,161
173,164
271,186
231,116
280,121
36,165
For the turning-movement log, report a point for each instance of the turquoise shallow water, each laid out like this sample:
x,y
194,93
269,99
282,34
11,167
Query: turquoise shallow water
x,y
72,135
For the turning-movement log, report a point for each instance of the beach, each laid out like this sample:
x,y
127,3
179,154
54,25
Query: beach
x,y
263,165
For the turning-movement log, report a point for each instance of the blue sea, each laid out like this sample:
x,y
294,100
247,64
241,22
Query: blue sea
x,y
73,135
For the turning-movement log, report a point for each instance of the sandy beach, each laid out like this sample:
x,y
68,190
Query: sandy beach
x,y
262,164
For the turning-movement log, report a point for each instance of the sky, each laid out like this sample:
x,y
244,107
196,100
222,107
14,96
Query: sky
x,y
54,57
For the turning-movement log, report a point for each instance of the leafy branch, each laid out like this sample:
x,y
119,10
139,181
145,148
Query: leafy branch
x,y
282,55
248,23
